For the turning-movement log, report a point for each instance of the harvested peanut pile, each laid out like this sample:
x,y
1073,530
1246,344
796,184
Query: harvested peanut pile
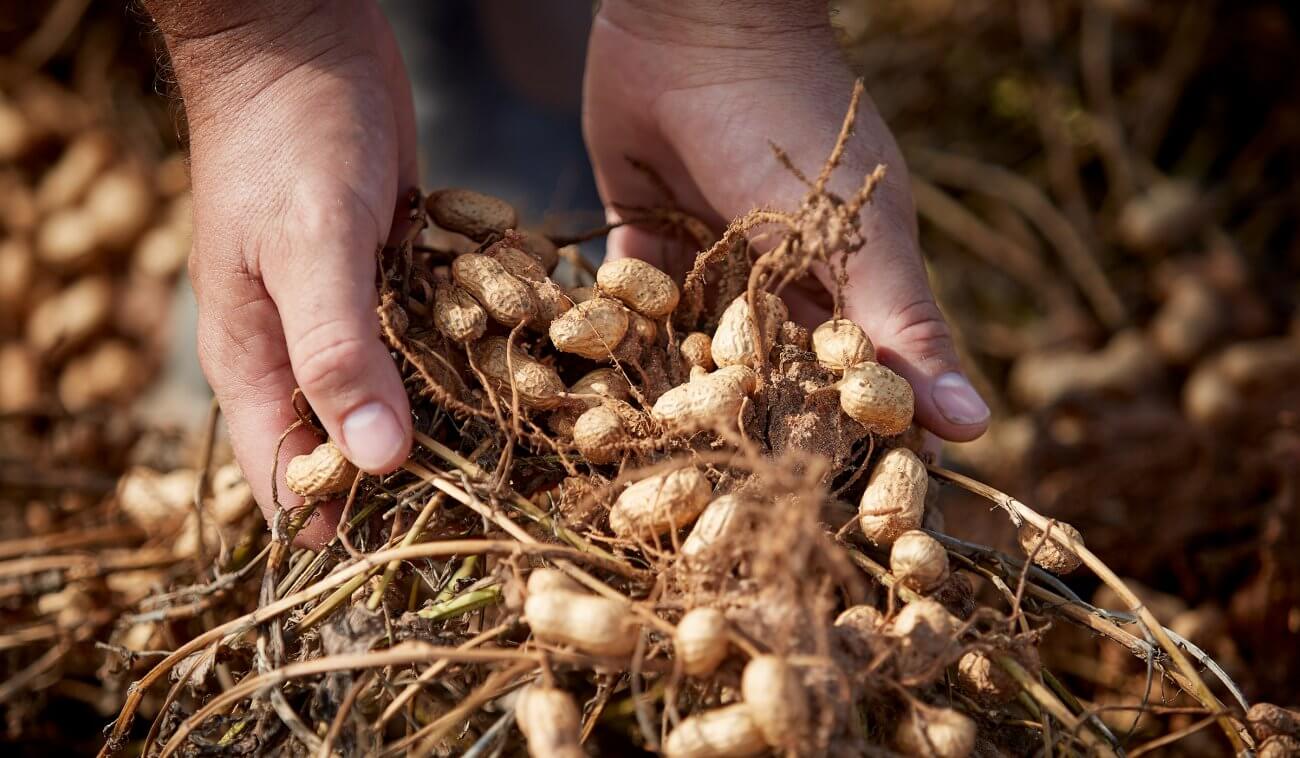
x,y
636,518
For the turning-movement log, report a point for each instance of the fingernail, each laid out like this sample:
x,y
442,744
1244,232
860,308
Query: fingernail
x,y
373,436
958,401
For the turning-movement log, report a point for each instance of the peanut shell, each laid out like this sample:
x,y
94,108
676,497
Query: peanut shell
x,y
506,298
937,732
639,285
538,385
1053,555
894,500
551,722
697,350
470,213
733,341
840,343
700,641
727,732
918,561
323,471
660,503
771,687
591,329
877,398
592,624
457,314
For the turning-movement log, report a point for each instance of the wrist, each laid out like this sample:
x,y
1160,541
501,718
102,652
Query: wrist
x,y
223,53
723,23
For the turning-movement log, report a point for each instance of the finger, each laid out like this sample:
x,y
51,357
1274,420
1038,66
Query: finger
x,y
241,350
322,283
889,295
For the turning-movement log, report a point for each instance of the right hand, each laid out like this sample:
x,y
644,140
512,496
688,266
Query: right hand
x,y
302,141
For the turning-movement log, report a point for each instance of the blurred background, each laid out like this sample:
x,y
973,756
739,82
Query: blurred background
x,y
1108,197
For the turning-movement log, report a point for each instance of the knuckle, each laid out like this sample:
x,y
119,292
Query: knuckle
x,y
920,329
329,357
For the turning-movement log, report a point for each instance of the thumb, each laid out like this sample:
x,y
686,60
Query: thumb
x,y
322,282
893,301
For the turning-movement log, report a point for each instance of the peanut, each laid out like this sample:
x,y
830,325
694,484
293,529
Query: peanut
x,y
727,732
67,181
1054,556
470,213
587,392
772,688
918,561
591,329
505,297
877,398
67,239
67,318
542,580
840,343
517,262
20,378
700,641
733,341
162,251
718,524
925,630
706,401
323,471
1267,720
661,503
457,314
697,350
154,501
232,497
599,431
110,373
120,204
983,679
937,732
550,721
894,500
538,385
592,624
863,619
540,247
638,285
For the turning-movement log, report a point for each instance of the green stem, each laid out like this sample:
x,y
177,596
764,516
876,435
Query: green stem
x,y
462,604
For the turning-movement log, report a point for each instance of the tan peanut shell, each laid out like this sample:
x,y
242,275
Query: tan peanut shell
x,y
551,722
660,503
638,285
918,561
925,629
894,499
457,314
876,397
162,251
506,298
17,270
538,385
718,523
1053,555
120,204
71,176
470,213
552,302
1279,746
599,432
67,239
110,373
592,624
700,641
69,317
706,401
542,580
1191,318
517,262
727,732
864,619
540,247
152,499
20,378
232,496
323,471
644,329
591,329
733,341
697,350
585,393
979,676
1267,720
773,690
840,343
937,732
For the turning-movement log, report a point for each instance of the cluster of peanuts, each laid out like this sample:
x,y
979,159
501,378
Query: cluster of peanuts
x,y
92,238
501,287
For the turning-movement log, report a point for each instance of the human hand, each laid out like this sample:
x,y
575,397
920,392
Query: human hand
x,y
696,90
302,140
